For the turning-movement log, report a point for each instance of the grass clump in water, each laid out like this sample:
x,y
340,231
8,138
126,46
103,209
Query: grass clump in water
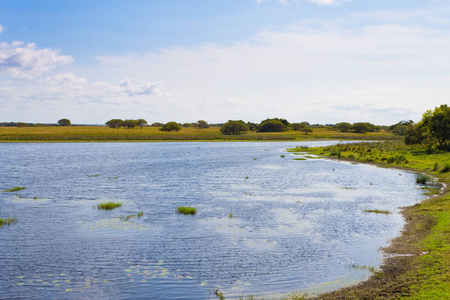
x,y
377,211
423,178
186,210
109,205
14,189
138,215
7,221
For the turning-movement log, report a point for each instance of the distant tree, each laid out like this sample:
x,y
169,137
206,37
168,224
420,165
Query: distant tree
x,y
298,126
22,124
405,123
141,123
130,123
400,129
170,126
272,126
187,125
157,124
64,122
234,127
252,126
307,130
284,121
201,124
416,134
363,127
114,123
343,126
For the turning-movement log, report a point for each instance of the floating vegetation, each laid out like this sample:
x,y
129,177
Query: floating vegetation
x,y
230,215
246,177
138,215
255,158
112,224
217,293
423,178
109,205
377,211
7,221
62,282
112,178
282,155
300,158
95,175
186,210
143,271
14,189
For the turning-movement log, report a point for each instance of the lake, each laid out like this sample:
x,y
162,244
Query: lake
x,y
294,225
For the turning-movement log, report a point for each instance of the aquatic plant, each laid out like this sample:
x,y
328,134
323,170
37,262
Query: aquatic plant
x,y
377,211
96,175
14,189
7,221
282,155
186,210
217,293
230,216
422,178
138,215
109,205
300,158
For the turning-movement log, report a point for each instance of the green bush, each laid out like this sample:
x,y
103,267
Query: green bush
x,y
170,126
109,205
186,210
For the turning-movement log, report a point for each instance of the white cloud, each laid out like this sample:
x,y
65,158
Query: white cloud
x,y
318,2
1,29
27,61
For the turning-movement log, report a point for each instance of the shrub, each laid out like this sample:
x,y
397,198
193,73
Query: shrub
x,y
234,127
446,168
272,126
170,126
422,178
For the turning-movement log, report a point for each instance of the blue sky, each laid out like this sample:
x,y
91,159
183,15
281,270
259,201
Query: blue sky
x,y
321,61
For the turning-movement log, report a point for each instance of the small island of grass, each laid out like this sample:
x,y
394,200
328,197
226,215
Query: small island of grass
x,y
109,205
14,189
186,210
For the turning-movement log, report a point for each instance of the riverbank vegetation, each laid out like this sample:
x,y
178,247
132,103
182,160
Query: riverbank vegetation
x,y
418,263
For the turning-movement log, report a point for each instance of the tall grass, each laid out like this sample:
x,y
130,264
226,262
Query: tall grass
x,y
423,178
7,221
186,210
109,205
15,189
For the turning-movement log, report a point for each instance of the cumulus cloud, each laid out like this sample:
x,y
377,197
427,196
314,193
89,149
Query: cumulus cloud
x,y
1,28
20,60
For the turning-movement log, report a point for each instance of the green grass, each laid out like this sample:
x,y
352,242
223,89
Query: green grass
x,y
377,211
103,133
15,189
109,205
426,273
186,210
7,221
423,178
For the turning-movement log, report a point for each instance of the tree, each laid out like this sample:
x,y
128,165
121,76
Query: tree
x,y
363,127
415,134
64,122
157,124
170,126
272,126
306,130
298,126
343,126
114,123
130,123
400,129
142,123
437,123
234,127
284,121
201,124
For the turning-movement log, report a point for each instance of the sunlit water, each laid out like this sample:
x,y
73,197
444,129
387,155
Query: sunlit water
x,y
296,225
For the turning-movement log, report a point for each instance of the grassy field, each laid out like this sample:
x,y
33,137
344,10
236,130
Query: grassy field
x,y
424,273
103,133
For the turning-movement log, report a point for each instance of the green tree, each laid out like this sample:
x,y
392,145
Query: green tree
x,y
437,123
284,121
343,126
272,126
416,134
201,124
307,130
114,123
130,123
170,126
234,127
142,123
363,127
298,126
64,122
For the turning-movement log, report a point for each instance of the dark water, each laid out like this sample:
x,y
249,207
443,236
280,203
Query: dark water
x,y
297,224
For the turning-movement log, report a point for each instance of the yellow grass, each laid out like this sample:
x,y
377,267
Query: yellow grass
x,y
103,133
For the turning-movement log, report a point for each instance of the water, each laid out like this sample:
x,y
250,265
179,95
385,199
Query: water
x,y
297,225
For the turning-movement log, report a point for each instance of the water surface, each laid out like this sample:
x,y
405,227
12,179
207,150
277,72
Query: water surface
x,y
296,225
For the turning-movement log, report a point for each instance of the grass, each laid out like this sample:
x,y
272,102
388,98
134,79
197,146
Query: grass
x,y
7,221
423,178
186,210
15,189
425,272
103,133
109,205
138,215
377,211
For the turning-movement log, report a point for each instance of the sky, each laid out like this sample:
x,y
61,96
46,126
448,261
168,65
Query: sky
x,y
319,61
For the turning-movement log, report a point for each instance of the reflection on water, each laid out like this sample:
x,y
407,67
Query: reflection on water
x,y
263,227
